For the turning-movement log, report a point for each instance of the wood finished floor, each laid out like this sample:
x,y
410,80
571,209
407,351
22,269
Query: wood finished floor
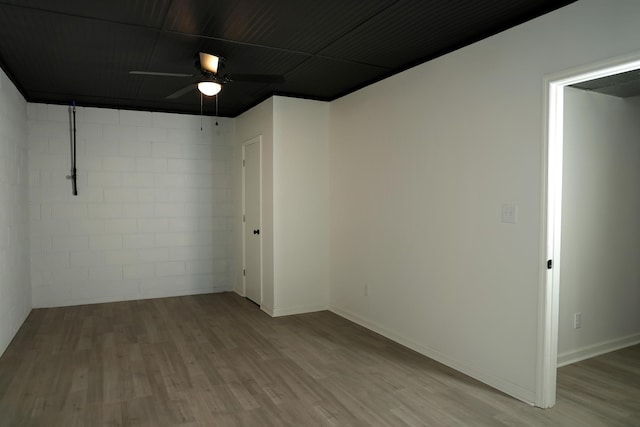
x,y
217,360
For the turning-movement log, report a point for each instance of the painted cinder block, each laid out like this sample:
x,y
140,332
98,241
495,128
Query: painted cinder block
x,y
119,164
49,162
204,266
141,119
168,210
182,195
168,240
117,133
183,224
105,242
153,188
82,227
86,131
170,268
69,243
104,210
153,225
144,164
138,210
183,239
98,146
134,148
121,257
105,272
186,253
100,115
198,151
152,134
166,150
146,195
153,255
138,179
70,275
104,291
190,165
198,209
179,121
134,241
49,260
68,211
120,226
51,227
86,258
139,271
39,145
125,195
104,179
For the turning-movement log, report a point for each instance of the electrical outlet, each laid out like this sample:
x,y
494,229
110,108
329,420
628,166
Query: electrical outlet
x,y
577,320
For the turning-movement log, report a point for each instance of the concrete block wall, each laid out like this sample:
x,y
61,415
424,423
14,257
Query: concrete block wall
x,y
15,287
154,213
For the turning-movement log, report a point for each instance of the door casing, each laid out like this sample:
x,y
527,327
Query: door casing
x,y
551,215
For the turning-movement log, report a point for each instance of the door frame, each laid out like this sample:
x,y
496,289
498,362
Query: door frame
x,y
551,214
255,140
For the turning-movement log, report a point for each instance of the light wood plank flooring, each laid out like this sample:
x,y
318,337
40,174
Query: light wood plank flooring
x,y
217,360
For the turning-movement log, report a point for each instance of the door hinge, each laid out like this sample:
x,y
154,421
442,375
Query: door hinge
x,y
244,272
549,264
244,218
243,163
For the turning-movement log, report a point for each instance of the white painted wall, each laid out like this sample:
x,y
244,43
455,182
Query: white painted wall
x,y
420,165
154,214
295,200
600,276
258,121
15,283
301,205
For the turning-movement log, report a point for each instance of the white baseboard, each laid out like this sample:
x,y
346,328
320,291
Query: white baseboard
x,y
267,310
587,352
288,311
160,293
514,390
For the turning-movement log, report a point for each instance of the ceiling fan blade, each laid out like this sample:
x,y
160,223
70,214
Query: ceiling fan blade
x,y
209,62
182,92
161,74
255,78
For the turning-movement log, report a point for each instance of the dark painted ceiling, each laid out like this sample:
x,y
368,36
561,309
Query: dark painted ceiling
x,y
83,50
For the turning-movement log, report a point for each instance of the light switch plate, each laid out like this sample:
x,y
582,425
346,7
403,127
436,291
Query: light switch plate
x,y
509,213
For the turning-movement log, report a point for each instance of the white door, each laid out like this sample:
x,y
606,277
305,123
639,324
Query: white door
x,y
252,220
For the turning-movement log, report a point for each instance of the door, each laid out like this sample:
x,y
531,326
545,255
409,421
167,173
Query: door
x,y
252,198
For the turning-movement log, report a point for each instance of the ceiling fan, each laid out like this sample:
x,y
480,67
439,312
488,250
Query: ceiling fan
x,y
209,81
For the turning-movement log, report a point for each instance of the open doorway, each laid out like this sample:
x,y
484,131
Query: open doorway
x,y
552,213
599,308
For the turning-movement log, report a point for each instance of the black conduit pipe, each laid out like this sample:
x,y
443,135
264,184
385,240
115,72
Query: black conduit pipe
x,y
74,175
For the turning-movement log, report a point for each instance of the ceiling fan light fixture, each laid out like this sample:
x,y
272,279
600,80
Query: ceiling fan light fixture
x,y
209,62
209,88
